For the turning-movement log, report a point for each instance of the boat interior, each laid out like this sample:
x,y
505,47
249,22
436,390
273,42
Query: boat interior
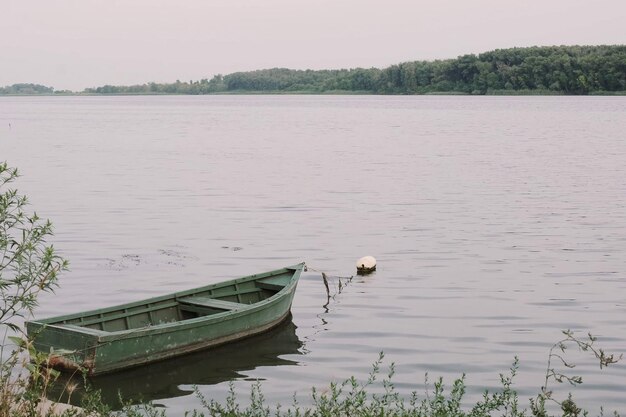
x,y
206,301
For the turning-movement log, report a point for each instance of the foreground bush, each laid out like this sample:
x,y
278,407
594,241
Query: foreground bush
x,y
351,398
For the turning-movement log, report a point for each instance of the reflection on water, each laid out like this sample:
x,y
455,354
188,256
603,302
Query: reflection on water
x,y
175,377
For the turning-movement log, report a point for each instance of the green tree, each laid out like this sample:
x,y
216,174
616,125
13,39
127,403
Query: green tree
x,y
28,264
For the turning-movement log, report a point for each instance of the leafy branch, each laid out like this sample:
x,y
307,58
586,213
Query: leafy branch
x,y
557,354
28,265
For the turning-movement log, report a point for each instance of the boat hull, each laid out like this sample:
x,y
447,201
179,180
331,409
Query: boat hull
x,y
201,318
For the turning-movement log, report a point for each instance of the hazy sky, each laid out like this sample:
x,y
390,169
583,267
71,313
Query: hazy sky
x,y
73,44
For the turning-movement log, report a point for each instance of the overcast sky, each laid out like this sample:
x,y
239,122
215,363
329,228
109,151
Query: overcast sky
x,y
73,44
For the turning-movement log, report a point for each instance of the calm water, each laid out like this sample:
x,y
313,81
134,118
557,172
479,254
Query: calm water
x,y
496,222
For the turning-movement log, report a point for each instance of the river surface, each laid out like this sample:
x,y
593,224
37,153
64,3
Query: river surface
x,y
497,222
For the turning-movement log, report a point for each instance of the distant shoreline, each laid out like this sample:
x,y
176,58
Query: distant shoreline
x,y
334,93
546,70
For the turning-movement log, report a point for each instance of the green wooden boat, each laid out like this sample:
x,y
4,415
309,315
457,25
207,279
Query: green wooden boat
x,y
123,336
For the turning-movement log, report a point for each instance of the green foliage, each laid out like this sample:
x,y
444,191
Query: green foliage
x,y
534,70
26,89
380,399
28,265
553,374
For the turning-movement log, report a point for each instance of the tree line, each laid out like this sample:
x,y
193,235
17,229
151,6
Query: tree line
x,y
538,70
26,89
549,70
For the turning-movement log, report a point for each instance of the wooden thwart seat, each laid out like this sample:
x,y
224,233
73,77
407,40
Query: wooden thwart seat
x,y
211,303
270,286
272,283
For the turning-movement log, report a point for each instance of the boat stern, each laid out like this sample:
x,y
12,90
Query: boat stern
x,y
63,347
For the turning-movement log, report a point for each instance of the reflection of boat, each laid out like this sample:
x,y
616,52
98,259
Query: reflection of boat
x,y
102,341
162,379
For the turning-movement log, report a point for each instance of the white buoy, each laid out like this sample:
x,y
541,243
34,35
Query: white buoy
x,y
366,265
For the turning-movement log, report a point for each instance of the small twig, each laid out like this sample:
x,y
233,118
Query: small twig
x,y
326,284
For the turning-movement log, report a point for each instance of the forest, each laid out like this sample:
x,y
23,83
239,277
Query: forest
x,y
572,70
542,70
26,89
